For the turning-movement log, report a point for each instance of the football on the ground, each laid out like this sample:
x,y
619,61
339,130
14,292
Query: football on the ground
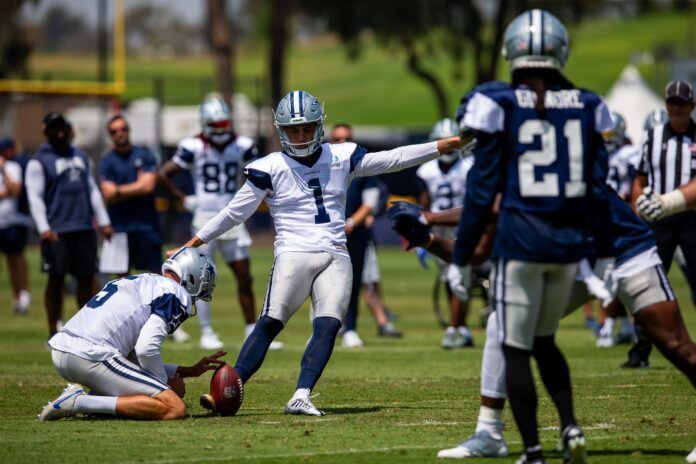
x,y
227,390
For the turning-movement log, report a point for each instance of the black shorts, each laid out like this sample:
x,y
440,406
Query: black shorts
x,y
145,251
13,240
74,253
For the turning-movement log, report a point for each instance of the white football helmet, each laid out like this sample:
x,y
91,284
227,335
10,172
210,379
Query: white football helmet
x,y
445,128
197,273
297,109
216,120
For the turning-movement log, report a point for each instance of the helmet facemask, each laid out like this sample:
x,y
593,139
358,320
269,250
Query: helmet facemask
x,y
299,108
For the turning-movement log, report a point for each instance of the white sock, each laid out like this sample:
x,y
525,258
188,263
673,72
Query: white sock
x,y
451,329
248,329
608,327
99,404
207,331
464,331
301,393
490,420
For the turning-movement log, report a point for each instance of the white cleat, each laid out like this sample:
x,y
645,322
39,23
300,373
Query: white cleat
x,y
481,444
63,405
209,340
351,339
605,341
574,445
180,336
691,458
302,405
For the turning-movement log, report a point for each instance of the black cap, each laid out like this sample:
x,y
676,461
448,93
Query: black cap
x,y
680,90
55,120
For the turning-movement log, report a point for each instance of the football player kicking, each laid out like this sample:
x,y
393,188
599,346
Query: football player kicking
x,y
216,159
642,286
304,186
112,345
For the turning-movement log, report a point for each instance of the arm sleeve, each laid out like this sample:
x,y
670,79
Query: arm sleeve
x,y
481,187
244,203
370,164
147,348
97,202
35,184
183,157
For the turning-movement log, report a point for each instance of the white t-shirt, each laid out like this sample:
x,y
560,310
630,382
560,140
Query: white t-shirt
x,y
134,313
9,216
308,203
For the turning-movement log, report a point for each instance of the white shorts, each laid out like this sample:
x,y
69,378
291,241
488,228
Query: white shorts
x,y
296,275
113,377
231,250
529,299
642,282
370,273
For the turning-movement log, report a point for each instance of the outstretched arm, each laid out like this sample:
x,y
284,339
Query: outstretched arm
x,y
370,164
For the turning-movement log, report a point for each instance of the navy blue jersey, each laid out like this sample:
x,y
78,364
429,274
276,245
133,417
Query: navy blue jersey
x,y
550,170
134,214
66,189
355,190
631,235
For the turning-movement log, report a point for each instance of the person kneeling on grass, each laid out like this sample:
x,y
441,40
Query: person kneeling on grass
x,y
132,315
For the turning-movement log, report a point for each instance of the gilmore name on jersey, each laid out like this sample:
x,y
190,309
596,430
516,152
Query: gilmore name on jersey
x,y
544,166
308,203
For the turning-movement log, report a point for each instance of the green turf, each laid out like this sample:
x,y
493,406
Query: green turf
x,y
392,401
377,89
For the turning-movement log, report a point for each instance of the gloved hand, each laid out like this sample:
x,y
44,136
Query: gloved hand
x,y
650,205
599,280
459,280
409,223
423,257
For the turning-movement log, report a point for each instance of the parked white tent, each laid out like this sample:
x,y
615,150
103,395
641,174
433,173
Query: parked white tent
x,y
633,99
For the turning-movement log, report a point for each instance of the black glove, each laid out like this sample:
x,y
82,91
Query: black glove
x,y
407,223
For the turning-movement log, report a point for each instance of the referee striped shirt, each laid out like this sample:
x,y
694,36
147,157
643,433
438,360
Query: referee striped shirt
x,y
668,158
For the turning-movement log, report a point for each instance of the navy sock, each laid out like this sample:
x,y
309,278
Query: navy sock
x,y
318,351
256,345
556,377
522,395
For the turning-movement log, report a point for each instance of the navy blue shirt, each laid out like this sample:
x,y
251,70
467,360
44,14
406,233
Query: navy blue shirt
x,y
66,189
355,190
550,170
136,214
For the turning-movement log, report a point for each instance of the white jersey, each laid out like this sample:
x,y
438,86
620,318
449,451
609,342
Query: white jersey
x,y
446,189
622,166
308,203
9,216
110,324
217,175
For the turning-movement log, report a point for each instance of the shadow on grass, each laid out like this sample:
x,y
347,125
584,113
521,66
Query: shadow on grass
x,y
352,410
630,452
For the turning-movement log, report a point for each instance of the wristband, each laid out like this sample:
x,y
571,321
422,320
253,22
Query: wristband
x,y
673,202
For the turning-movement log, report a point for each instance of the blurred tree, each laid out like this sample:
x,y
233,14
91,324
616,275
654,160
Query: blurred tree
x,y
220,39
154,30
278,34
62,30
421,29
15,47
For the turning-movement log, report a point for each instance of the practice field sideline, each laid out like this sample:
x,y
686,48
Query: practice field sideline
x,y
392,401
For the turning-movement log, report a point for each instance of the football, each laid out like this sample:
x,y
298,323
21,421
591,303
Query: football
x,y
227,390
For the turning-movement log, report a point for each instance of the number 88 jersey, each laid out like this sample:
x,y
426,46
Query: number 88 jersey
x,y
216,174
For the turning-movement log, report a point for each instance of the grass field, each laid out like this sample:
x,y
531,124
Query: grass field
x,y
391,401
377,89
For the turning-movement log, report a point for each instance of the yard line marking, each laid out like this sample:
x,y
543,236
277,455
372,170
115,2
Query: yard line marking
x,y
385,449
